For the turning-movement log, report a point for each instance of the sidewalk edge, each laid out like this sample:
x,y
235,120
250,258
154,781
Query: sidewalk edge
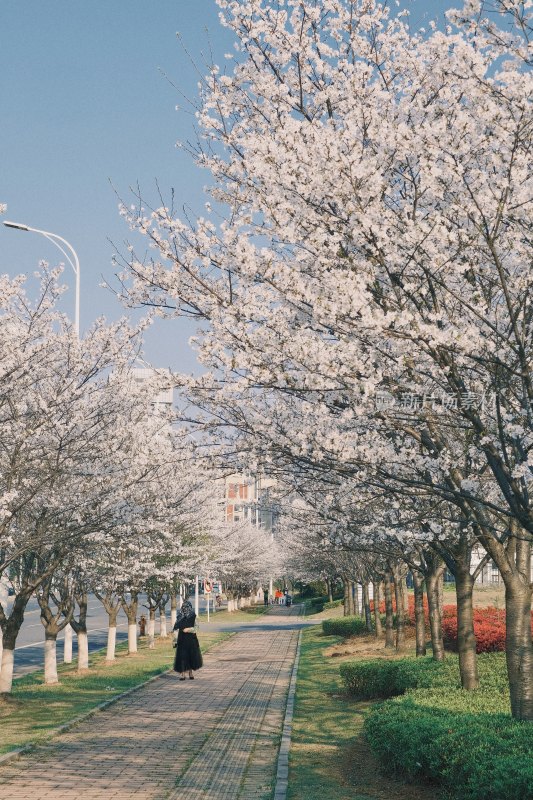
x,y
282,772
27,748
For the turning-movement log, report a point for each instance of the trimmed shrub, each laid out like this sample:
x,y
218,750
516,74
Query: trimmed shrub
x,y
344,626
333,603
489,628
489,625
465,741
380,678
318,601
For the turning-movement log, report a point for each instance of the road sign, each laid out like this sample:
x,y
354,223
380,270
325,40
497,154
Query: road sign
x,y
208,587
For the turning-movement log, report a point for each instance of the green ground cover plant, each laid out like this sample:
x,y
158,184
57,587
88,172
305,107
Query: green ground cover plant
x,y
34,710
344,626
465,742
381,678
328,758
333,604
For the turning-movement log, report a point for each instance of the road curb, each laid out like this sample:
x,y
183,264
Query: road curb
x,y
282,772
21,751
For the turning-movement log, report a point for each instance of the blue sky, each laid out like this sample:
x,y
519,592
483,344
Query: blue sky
x,y
83,102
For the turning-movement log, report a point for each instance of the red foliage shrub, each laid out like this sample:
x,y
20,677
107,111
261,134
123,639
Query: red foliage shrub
x,y
489,625
489,628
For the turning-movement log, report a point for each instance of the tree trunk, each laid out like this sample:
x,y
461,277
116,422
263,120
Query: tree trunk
x,y
389,614
329,590
53,621
162,622
518,645
173,609
83,650
10,630
420,622
111,633
111,641
355,598
130,609
400,617
347,590
377,617
466,640
366,607
435,614
80,627
518,650
405,595
67,645
151,628
6,675
50,658
440,592
132,636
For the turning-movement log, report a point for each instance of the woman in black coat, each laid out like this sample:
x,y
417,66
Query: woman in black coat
x,y
188,655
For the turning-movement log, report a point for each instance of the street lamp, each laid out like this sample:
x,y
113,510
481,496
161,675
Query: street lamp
x,y
75,264
73,261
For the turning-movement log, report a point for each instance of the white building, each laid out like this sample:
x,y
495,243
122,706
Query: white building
x,y
164,398
249,498
490,573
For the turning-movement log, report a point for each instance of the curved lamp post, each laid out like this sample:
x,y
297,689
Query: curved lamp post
x,y
72,259
74,262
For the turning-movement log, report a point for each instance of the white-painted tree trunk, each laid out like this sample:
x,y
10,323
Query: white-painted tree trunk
x,y
83,651
6,674
1,646
132,637
173,615
67,645
163,623
111,642
151,633
50,661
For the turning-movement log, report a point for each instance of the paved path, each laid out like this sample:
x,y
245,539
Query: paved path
x,y
214,737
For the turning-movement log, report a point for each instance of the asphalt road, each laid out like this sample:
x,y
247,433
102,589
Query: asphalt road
x,y
29,651
30,643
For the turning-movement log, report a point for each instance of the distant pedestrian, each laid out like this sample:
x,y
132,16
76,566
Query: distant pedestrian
x,y
265,595
188,655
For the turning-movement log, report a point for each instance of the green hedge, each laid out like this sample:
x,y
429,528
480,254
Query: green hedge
x,y
318,601
380,678
465,741
333,603
344,626
366,680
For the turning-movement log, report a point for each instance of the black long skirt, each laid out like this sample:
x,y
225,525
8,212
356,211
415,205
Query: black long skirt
x,y
188,655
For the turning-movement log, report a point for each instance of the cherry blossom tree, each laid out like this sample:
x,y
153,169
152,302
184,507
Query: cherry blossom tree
x,y
378,237
68,415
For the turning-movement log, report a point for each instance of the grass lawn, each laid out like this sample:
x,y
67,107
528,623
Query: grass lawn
x,y
328,758
35,710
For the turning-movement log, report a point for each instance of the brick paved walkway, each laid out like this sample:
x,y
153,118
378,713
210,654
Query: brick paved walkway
x,y
216,736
